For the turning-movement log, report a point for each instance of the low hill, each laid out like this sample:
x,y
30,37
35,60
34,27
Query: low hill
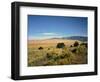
x,y
80,38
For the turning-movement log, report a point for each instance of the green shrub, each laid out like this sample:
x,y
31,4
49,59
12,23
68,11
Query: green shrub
x,y
40,48
74,50
85,44
81,50
60,45
48,55
76,44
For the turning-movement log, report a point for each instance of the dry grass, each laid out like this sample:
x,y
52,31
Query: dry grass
x,y
49,43
50,55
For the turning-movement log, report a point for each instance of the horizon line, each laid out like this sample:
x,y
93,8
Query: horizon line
x,y
56,37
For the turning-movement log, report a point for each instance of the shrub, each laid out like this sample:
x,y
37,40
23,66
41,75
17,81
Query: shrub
x,y
56,58
60,45
62,56
85,44
50,62
76,44
40,48
49,56
48,48
74,50
81,50
63,62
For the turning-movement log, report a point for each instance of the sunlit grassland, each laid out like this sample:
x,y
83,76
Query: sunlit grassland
x,y
45,53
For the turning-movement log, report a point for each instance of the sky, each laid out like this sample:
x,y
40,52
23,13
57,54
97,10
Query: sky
x,y
45,27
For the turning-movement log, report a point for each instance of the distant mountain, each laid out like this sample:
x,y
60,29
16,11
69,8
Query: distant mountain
x,y
55,38
81,38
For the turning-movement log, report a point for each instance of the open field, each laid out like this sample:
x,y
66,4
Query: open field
x,y
49,43
46,52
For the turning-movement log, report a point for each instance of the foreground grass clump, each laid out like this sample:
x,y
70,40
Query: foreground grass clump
x,y
60,54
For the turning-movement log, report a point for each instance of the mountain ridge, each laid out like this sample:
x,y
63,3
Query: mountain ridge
x,y
80,38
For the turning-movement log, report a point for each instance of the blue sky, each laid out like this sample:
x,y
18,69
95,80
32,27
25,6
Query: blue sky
x,y
44,27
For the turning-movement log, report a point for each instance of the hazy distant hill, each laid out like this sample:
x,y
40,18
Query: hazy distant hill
x,y
80,38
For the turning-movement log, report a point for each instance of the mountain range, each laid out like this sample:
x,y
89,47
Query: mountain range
x,y
80,38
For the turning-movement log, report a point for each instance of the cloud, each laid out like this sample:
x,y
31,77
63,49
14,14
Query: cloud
x,y
49,34
46,35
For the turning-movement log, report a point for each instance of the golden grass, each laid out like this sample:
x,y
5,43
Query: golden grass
x,y
50,55
49,43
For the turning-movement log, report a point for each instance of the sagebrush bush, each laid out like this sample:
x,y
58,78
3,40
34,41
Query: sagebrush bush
x,y
40,48
81,50
74,50
76,44
85,44
49,56
60,45
63,62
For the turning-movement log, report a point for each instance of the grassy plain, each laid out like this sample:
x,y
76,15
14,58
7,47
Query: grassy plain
x,y
45,52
